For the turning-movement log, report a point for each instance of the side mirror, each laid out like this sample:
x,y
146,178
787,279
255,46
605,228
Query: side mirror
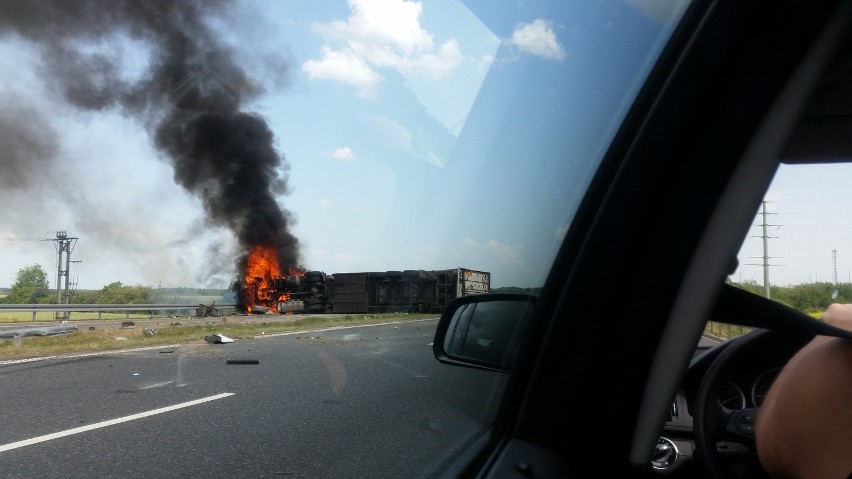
x,y
483,331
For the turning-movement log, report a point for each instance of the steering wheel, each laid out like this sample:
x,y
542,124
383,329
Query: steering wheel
x,y
724,438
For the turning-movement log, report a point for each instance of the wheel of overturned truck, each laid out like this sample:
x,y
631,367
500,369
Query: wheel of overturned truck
x,y
315,305
316,308
314,277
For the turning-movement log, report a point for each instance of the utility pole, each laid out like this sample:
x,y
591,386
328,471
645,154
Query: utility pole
x,y
64,246
834,261
765,256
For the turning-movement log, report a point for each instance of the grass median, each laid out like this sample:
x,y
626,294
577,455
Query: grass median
x,y
174,333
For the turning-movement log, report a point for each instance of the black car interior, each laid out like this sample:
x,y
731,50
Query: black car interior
x,y
742,86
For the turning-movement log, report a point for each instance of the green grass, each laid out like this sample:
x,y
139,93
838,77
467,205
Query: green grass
x,y
112,339
724,330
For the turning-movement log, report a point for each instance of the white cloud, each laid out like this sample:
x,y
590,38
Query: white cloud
x,y
343,66
380,34
561,231
537,38
343,154
469,242
324,202
485,62
510,254
431,65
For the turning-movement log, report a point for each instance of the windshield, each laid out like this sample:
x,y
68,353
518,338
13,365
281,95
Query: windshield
x,y
297,188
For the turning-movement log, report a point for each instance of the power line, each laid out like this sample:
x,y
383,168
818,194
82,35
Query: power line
x,y
765,235
64,246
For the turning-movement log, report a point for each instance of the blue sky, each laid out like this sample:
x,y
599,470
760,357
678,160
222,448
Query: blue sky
x,y
809,235
416,135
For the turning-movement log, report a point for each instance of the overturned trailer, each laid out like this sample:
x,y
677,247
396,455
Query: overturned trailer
x,y
405,291
417,291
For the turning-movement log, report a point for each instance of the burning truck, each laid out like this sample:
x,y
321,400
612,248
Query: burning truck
x,y
418,291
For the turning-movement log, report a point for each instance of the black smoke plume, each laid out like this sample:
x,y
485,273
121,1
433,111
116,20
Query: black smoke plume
x,y
189,97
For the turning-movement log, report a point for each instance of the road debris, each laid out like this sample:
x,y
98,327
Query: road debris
x,y
150,332
242,361
203,310
218,338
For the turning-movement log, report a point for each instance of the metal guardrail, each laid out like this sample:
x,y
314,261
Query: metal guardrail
x,y
99,308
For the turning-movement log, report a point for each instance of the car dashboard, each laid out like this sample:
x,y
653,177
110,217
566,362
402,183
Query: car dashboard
x,y
742,384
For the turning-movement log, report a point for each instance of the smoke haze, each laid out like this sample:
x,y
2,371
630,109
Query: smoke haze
x,y
187,91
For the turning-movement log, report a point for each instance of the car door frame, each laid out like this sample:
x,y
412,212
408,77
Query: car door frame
x,y
653,241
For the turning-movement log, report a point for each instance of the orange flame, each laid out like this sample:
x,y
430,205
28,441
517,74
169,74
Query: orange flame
x,y
262,263
262,268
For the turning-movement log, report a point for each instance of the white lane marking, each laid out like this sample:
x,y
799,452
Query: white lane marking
x,y
156,385
83,355
335,328
111,422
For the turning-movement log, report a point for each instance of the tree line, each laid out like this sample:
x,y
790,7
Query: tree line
x,y
808,297
32,287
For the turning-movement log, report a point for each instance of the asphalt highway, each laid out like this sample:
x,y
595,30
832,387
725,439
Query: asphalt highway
x,y
358,402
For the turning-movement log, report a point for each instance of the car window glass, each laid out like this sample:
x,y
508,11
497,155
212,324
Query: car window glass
x,y
796,250
263,185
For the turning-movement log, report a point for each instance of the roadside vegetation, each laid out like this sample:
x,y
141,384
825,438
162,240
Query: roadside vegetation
x,y
230,326
811,298
31,287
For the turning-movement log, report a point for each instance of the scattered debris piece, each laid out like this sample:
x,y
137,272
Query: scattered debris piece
x,y
218,338
91,328
258,309
242,361
120,338
169,351
128,324
150,332
176,323
203,310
